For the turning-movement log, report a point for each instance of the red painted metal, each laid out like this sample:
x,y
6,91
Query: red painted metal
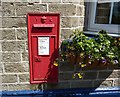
x,y
43,45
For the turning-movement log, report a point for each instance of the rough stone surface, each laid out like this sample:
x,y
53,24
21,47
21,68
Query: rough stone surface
x,y
80,10
21,34
65,33
13,46
11,57
117,82
90,75
9,46
14,1
66,22
81,21
29,8
81,84
25,56
74,21
7,34
105,74
19,87
16,67
24,77
9,78
51,1
5,88
20,45
64,9
13,22
61,85
1,68
8,9
65,76
73,1
65,67
103,83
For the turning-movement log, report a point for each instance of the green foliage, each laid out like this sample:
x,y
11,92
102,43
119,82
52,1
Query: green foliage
x,y
102,47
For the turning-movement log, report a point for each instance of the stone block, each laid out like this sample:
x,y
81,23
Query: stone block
x,y
66,22
73,1
0,10
19,87
117,82
24,77
13,46
65,66
5,88
103,83
63,9
90,75
11,57
51,1
105,74
81,21
1,68
65,76
8,9
60,85
65,33
9,78
115,74
34,1
10,22
9,46
81,84
7,34
75,21
16,67
14,1
22,34
29,7
25,56
26,45
80,10
20,46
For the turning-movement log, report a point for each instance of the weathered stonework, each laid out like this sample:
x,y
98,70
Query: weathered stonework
x,y
8,9
24,77
7,34
63,9
13,22
14,45
9,78
22,34
16,67
11,57
29,7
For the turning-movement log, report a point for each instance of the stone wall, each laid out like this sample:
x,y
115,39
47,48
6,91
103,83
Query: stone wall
x,y
14,67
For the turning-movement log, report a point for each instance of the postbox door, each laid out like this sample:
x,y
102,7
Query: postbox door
x,y
43,56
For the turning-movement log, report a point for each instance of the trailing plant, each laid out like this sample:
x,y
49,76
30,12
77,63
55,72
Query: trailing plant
x,y
81,50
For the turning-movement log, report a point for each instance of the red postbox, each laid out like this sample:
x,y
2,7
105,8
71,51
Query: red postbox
x,y
43,45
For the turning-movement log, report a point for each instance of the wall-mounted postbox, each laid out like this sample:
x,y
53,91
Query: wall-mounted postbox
x,y
43,45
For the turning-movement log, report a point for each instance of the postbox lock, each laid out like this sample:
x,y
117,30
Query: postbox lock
x,y
43,19
37,59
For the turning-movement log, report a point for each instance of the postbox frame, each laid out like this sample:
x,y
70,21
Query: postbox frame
x,y
29,42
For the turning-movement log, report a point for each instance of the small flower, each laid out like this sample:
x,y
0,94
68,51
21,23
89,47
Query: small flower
x,y
90,56
89,63
98,59
104,61
115,62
